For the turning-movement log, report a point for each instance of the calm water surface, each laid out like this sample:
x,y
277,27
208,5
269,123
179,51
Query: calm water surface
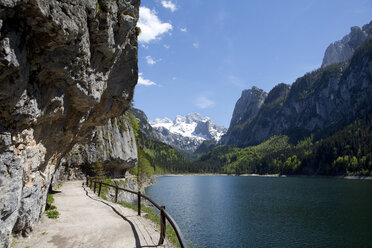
x,y
227,211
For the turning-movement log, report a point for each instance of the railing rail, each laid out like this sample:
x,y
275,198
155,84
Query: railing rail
x,y
163,213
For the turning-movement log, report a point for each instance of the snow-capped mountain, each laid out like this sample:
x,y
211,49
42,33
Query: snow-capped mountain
x,y
188,132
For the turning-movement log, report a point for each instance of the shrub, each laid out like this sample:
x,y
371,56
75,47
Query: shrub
x,y
52,213
138,31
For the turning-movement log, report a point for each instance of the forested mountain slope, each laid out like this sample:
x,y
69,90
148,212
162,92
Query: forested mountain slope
x,y
346,152
331,95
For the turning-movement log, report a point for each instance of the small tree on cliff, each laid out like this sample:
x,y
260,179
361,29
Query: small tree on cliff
x,y
98,171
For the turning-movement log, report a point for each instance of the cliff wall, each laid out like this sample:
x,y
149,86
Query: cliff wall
x,y
342,50
112,145
330,96
65,68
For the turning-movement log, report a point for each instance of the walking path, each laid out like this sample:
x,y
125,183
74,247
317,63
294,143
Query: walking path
x,y
88,221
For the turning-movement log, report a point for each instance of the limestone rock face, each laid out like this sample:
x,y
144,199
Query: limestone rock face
x,y
343,49
326,97
246,107
113,145
65,68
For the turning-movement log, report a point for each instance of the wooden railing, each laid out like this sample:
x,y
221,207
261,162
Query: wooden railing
x,y
163,214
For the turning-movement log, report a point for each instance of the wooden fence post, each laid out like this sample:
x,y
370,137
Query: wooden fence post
x,y
116,193
163,225
139,202
99,189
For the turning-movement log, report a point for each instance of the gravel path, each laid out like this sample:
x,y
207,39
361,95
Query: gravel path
x,y
88,221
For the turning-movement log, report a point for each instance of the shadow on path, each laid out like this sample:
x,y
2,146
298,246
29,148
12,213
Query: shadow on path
x,y
138,243
55,192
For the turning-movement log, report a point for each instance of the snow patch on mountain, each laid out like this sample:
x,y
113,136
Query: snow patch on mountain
x,y
188,132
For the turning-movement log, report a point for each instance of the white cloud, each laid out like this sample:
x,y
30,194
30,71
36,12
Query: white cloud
x,y
145,82
203,102
150,60
166,46
195,44
174,78
169,5
183,29
151,26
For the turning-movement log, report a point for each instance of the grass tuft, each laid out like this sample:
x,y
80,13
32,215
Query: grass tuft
x,y
51,210
52,214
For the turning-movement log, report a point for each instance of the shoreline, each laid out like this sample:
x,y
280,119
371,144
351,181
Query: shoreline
x,y
265,175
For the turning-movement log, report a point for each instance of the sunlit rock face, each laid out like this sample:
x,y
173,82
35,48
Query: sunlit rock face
x,y
65,68
343,49
327,97
245,109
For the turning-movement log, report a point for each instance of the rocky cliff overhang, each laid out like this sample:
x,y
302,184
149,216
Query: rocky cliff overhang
x,y
112,145
65,67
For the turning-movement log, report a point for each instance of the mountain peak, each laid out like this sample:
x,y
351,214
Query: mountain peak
x,y
196,117
246,108
343,49
188,132
248,104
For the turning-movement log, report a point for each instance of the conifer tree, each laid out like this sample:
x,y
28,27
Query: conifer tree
x,y
98,171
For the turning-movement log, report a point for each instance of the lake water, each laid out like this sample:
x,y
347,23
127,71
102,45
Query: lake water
x,y
227,211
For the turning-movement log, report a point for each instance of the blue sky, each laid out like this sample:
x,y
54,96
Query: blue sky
x,y
198,55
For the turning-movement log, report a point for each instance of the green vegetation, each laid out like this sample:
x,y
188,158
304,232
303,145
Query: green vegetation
x,y
155,157
52,214
98,171
132,14
122,124
51,210
98,7
337,151
344,152
150,214
146,211
134,123
144,169
206,146
313,82
138,31
105,189
50,199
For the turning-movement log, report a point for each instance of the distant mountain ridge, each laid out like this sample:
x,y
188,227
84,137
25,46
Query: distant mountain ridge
x,y
188,132
144,125
333,94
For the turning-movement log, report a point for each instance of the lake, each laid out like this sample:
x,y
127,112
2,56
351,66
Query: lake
x,y
228,211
